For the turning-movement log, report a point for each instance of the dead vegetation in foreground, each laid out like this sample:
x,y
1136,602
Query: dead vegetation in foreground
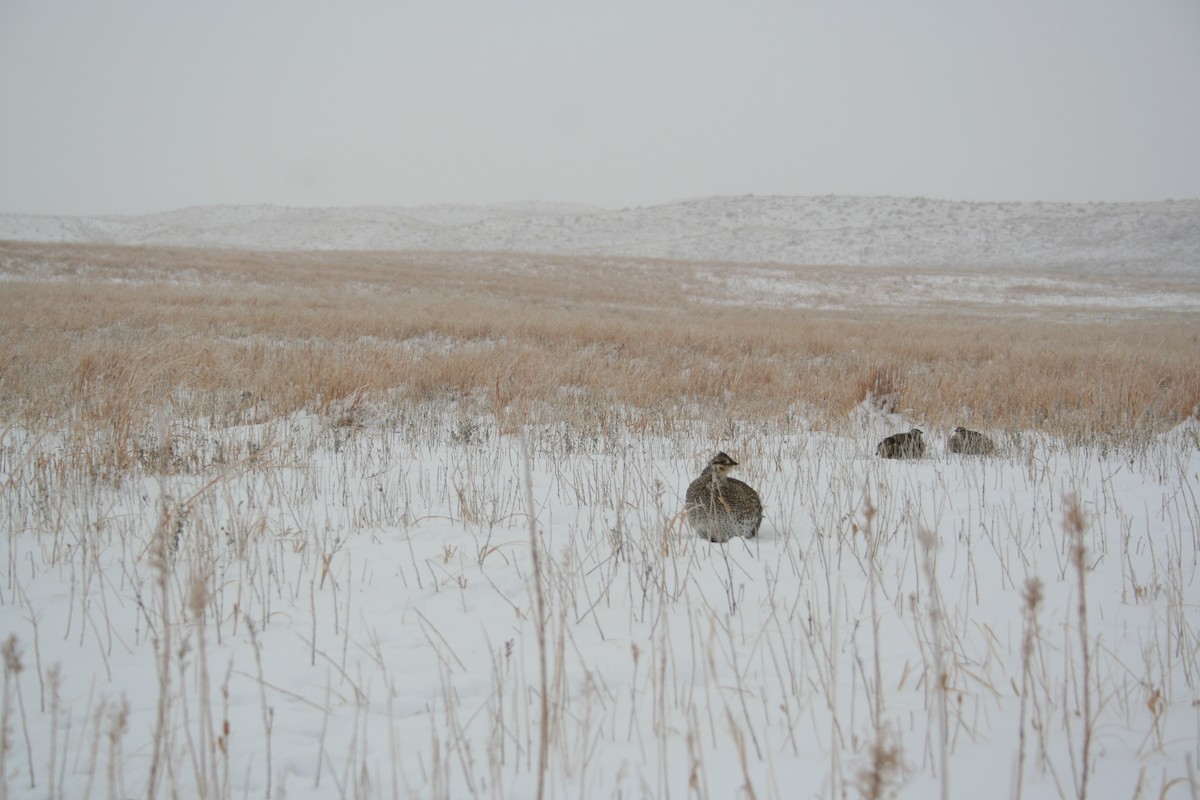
x,y
117,334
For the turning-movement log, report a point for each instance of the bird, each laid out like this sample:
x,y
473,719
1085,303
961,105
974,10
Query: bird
x,y
719,507
970,443
902,445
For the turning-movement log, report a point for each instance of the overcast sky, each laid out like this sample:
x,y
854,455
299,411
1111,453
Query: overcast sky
x,y
141,106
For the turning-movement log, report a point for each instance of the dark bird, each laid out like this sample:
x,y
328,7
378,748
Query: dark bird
x,y
902,445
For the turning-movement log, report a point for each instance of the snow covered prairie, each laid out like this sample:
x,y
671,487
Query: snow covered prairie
x,y
304,609
214,589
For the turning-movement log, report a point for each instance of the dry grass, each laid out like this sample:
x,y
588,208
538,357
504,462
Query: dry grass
x,y
117,334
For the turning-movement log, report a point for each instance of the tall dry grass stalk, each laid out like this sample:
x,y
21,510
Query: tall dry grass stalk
x,y
1075,524
1032,595
10,655
161,552
111,339
885,767
929,548
540,623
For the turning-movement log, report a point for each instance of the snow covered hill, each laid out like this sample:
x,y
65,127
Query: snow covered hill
x,y
1150,238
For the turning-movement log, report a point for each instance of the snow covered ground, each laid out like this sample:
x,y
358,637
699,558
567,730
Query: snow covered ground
x,y
1147,238
296,609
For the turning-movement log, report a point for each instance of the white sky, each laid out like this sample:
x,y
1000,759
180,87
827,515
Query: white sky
x,y
140,105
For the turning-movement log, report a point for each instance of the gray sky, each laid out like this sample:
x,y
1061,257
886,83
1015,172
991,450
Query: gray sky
x,y
140,105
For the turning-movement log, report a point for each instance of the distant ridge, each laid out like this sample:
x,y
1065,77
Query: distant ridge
x,y
1160,237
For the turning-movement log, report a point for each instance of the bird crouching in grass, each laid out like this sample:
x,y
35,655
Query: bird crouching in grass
x,y
902,445
719,507
971,443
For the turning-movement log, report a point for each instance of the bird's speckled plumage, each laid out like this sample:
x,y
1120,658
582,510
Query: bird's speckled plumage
x,y
720,507
902,445
971,443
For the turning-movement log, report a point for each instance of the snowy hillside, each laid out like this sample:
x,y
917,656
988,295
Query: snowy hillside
x,y
1159,237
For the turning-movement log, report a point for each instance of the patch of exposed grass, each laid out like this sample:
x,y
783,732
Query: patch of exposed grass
x,y
117,333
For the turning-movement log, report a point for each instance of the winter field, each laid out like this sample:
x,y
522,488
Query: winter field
x,y
378,524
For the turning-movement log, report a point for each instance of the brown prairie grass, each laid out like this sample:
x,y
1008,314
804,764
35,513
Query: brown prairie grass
x,y
115,334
